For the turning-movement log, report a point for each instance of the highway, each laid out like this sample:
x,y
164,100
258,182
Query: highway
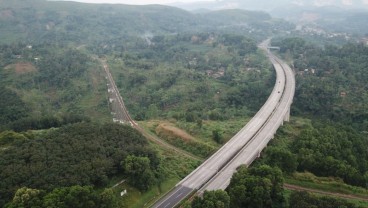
x,y
245,146
253,149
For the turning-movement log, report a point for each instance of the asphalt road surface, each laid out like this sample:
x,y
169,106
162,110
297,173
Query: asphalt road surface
x,y
245,146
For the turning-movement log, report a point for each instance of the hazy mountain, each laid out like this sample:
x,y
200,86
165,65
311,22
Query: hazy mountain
x,y
272,5
335,15
41,20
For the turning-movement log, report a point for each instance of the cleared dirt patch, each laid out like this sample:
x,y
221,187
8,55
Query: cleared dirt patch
x,y
169,131
22,68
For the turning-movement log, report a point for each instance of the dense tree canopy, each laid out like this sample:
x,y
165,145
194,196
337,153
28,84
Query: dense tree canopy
x,y
256,187
66,197
331,81
212,199
331,90
78,154
11,106
140,172
333,150
282,158
193,76
48,85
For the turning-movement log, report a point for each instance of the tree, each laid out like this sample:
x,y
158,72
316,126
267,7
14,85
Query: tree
x,y
281,158
366,179
257,187
81,154
216,135
139,172
199,123
12,106
75,196
26,197
7,137
152,111
108,199
212,199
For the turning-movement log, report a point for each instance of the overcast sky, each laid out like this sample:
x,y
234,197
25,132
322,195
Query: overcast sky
x,y
138,2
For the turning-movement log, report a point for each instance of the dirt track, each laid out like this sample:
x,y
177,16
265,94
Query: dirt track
x,y
346,196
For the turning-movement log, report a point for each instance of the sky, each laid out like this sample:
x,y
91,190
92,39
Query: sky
x,y
138,2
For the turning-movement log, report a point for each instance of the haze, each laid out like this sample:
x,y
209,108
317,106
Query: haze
x,y
141,2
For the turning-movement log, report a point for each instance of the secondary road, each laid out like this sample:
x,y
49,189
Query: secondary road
x,y
217,164
121,114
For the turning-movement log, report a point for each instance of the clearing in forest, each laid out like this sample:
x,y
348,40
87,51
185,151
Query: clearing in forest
x,y
170,131
22,67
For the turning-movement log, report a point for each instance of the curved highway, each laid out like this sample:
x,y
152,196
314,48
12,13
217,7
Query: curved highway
x,y
245,146
253,149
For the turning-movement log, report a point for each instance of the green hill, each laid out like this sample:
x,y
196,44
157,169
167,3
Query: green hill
x,y
38,20
45,21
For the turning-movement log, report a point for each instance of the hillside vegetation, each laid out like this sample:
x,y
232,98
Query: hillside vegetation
x,y
78,23
81,154
191,79
200,73
323,147
47,86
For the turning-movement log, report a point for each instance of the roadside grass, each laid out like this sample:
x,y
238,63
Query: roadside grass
x,y
194,145
175,168
329,184
136,199
285,134
227,129
202,144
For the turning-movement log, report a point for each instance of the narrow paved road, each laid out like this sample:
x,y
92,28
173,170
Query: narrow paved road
x,y
121,115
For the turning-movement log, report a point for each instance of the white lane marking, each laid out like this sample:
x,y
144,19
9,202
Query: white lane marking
x,y
178,195
168,197
168,204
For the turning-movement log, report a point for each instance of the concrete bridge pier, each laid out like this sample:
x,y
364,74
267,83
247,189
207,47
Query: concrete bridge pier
x,y
287,116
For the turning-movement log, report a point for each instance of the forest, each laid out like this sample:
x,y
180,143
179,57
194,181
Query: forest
x,y
326,139
157,77
191,80
81,154
48,86
56,136
260,187
331,81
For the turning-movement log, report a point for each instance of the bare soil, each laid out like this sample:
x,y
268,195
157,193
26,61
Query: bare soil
x,y
22,67
170,131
